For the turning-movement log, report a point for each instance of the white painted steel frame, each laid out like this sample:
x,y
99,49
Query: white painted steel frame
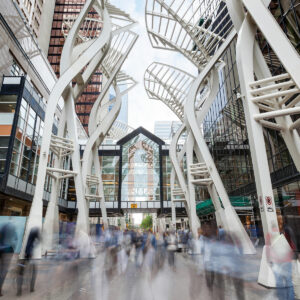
x,y
186,26
202,47
80,58
266,97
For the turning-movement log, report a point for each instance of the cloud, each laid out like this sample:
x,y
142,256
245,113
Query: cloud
x,y
143,111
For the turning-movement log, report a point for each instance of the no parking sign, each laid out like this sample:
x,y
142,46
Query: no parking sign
x,y
269,203
268,200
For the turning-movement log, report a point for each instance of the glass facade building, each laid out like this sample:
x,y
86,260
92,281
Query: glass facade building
x,y
136,175
21,131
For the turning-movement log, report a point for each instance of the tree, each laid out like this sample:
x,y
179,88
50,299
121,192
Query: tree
x,y
147,222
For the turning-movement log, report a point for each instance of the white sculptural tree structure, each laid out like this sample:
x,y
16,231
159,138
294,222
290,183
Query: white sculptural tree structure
x,y
101,120
201,31
171,85
269,102
91,43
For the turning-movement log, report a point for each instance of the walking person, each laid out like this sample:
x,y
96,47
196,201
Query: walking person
x,y
197,275
8,243
209,242
32,241
236,264
198,251
281,262
171,248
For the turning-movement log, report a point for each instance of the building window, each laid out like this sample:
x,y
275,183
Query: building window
x,y
16,70
36,23
7,112
39,12
27,144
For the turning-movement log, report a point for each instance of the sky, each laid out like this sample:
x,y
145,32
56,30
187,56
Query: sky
x,y
143,111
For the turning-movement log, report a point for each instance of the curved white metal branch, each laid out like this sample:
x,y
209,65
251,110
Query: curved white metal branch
x,y
195,28
121,46
168,84
101,119
266,97
69,70
192,122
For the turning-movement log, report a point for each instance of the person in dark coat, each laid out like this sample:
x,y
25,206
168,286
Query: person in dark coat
x,y
33,239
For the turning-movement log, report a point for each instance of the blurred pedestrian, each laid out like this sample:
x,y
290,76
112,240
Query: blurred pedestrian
x,y
209,242
161,250
8,243
280,255
111,258
296,277
231,264
198,251
171,248
34,238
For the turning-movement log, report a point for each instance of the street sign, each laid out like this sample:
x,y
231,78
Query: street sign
x,y
133,205
268,200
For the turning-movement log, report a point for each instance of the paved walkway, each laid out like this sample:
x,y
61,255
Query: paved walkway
x,y
87,279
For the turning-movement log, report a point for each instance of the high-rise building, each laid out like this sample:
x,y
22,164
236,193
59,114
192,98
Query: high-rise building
x,y
166,129
38,15
65,13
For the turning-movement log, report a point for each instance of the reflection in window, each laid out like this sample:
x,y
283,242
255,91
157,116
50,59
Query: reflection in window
x,y
26,149
110,177
140,170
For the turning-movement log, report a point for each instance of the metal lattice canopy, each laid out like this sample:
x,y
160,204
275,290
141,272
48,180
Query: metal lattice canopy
x,y
168,84
120,42
195,28
124,83
120,47
119,130
118,16
90,28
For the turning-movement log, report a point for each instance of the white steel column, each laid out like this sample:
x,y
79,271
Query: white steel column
x,y
267,97
173,207
82,223
235,223
98,171
203,44
51,222
257,143
73,60
194,220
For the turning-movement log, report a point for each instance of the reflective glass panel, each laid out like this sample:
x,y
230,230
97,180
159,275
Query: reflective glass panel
x,y
140,170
